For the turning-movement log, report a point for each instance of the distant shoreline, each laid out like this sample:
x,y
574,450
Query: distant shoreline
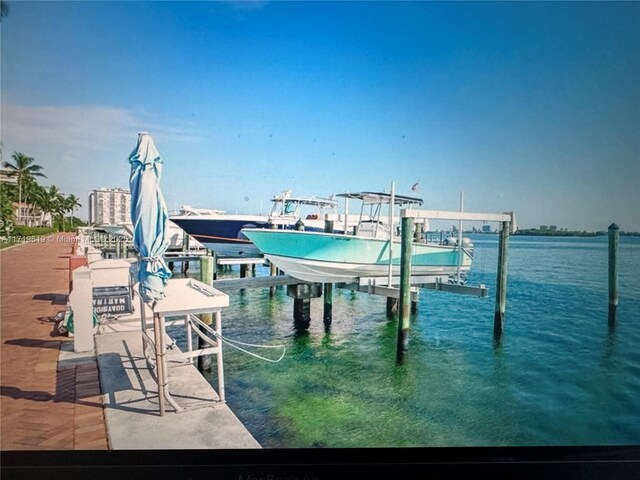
x,y
534,232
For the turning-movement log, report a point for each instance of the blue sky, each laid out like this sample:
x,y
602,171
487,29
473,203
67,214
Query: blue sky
x,y
531,107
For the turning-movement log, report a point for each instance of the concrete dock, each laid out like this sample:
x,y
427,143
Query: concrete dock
x,y
130,397
53,398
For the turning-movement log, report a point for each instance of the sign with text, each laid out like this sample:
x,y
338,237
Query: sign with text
x,y
114,301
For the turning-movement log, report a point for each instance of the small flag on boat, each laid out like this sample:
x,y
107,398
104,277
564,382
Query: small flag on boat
x,y
414,187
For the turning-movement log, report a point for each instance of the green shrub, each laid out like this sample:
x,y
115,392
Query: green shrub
x,y
21,230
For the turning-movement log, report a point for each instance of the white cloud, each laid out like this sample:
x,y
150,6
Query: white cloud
x,y
73,132
84,147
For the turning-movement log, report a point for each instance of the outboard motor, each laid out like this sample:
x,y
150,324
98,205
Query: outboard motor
x,y
467,245
452,241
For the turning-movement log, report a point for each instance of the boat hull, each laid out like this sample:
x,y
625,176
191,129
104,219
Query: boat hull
x,y
322,257
223,235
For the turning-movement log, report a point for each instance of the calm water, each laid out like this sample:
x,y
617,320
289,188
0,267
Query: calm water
x,y
559,376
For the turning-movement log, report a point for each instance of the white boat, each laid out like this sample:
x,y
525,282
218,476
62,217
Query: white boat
x,y
340,257
221,232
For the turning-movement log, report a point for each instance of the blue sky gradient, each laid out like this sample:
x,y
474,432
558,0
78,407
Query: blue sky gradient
x,y
531,107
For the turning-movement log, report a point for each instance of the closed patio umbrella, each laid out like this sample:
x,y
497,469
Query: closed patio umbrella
x,y
149,218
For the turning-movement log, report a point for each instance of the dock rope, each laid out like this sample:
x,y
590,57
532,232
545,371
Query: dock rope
x,y
234,343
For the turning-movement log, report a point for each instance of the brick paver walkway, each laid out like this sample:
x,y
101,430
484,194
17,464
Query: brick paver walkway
x,y
43,405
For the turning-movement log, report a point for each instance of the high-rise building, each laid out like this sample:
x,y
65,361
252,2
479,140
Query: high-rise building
x,y
109,206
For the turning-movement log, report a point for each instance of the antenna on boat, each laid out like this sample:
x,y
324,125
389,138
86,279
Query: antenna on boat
x,y
346,214
460,238
391,205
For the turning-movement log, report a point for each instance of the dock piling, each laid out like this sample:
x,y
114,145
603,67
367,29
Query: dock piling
x,y
501,282
614,239
207,265
185,249
414,303
328,287
302,294
301,313
405,289
273,271
392,306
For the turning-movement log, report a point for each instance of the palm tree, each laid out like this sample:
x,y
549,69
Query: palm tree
x,y
72,203
55,203
7,212
41,200
24,169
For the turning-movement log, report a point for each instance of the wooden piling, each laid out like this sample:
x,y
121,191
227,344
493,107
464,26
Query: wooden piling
x,y
392,306
418,233
328,304
301,313
614,239
501,281
272,268
414,303
243,270
206,276
272,272
405,289
214,256
328,287
185,249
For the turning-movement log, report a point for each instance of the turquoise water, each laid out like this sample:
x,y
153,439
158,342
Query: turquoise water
x,y
559,376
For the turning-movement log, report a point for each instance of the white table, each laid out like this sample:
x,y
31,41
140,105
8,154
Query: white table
x,y
184,297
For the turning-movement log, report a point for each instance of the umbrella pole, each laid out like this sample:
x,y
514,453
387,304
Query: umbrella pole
x,y
143,321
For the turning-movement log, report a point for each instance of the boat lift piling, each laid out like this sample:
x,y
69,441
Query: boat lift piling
x,y
207,267
327,316
508,226
392,303
614,239
501,282
405,289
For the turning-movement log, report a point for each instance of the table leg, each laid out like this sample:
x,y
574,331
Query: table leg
x,y
218,318
159,338
189,339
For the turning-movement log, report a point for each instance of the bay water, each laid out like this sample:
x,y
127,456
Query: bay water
x,y
559,376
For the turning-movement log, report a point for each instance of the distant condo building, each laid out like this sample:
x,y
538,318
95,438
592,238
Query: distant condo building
x,y
109,206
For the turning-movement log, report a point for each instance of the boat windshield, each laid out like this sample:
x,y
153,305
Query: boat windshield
x,y
286,205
